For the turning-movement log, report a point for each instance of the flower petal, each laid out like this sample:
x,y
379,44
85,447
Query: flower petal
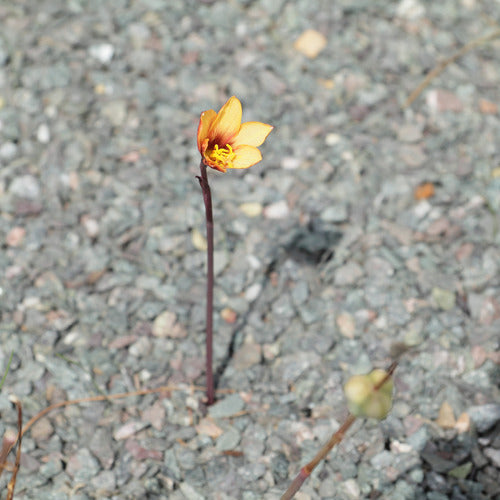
x,y
252,134
246,156
206,120
227,123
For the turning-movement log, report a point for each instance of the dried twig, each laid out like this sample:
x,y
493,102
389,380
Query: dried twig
x,y
443,64
12,482
104,397
8,442
336,438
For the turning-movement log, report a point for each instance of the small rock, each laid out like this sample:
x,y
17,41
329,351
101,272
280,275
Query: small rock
x,y
15,237
334,214
494,455
253,291
90,225
419,439
115,112
199,241
488,107
462,471
166,325
440,100
278,210
103,52
349,490
252,471
348,274
424,191
43,134
484,416
121,342
129,429
310,43
410,9
229,440
207,427
41,430
25,186
332,139
248,355
446,417
230,405
413,155
104,482
444,299
100,445
189,492
155,415
346,324
141,348
171,464
410,132
439,227
141,453
251,209
464,251
82,466
8,151
290,163
51,468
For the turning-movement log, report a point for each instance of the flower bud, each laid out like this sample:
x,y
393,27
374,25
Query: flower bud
x,y
364,399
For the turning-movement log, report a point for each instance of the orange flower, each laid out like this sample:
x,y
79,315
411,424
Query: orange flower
x,y
224,142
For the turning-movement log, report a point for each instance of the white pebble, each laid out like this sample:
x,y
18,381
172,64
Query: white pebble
x,y
332,139
278,210
91,226
290,163
254,262
410,9
43,134
422,209
25,186
253,291
103,52
8,150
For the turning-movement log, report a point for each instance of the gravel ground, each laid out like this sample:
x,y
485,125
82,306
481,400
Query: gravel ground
x,y
331,254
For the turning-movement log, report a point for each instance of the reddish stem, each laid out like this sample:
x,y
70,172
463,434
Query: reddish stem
x,y
207,198
305,472
336,438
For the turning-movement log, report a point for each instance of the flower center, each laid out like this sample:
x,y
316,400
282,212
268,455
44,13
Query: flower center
x,y
222,157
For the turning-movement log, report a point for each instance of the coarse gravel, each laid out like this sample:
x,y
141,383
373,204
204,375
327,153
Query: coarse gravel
x,y
369,229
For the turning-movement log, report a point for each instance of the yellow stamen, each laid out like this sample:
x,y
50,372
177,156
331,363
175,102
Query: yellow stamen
x,y
223,157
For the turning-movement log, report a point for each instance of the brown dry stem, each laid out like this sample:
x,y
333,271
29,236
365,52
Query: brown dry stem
x,y
437,70
12,483
336,438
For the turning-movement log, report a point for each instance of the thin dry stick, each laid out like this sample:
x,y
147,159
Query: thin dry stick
x,y
305,472
12,482
104,397
442,65
336,438
8,442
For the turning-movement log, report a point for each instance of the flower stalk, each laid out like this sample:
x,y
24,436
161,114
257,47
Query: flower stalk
x,y
209,220
224,143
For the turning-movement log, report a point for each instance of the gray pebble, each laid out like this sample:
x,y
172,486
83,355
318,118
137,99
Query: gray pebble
x,y
229,440
25,186
230,405
484,416
8,151
82,466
